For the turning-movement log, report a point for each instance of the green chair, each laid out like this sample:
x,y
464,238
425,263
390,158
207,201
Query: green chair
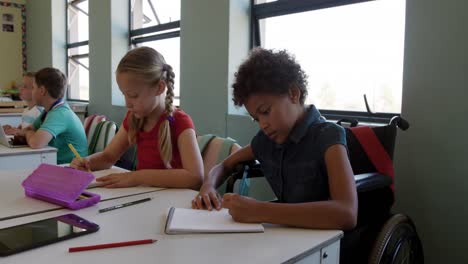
x,y
214,150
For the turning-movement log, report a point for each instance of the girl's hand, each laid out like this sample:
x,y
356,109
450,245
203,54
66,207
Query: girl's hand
x,y
241,208
118,180
80,164
207,198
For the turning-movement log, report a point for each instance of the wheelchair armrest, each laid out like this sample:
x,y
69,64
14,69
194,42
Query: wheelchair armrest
x,y
371,181
364,182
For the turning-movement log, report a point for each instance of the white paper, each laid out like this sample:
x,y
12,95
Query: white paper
x,y
203,221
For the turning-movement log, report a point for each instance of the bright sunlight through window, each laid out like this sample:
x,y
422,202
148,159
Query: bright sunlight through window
x,y
347,51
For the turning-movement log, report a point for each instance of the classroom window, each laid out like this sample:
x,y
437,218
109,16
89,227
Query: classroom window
x,y
78,50
156,24
348,49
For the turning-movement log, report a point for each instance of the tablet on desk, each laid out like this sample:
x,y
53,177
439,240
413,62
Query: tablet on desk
x,y
43,232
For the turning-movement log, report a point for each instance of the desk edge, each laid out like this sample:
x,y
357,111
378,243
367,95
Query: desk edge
x,y
314,249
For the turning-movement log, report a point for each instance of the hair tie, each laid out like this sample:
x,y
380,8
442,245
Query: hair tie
x,y
165,67
170,119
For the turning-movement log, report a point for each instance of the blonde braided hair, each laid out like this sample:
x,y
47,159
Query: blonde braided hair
x,y
165,139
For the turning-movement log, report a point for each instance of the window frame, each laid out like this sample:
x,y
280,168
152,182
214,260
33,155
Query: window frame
x,y
154,33
72,45
288,7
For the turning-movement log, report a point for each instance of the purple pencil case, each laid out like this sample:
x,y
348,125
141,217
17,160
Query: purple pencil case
x,y
61,185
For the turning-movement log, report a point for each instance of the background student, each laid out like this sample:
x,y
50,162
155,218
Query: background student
x,y
58,125
304,158
167,150
31,112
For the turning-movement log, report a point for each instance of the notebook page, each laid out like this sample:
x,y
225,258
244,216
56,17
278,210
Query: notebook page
x,y
191,220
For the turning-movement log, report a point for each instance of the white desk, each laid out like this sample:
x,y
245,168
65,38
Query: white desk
x,y
12,119
146,220
25,157
14,203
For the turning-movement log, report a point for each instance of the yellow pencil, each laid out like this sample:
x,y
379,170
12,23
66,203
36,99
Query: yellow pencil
x,y
77,155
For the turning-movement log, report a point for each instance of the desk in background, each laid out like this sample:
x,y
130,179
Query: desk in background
x,y
278,244
26,157
12,119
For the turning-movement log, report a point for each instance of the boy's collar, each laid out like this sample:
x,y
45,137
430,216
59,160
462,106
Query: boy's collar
x,y
55,104
312,116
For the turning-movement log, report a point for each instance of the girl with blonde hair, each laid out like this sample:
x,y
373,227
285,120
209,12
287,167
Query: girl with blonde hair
x,y
167,150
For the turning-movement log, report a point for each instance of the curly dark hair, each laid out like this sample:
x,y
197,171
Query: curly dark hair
x,y
268,71
54,81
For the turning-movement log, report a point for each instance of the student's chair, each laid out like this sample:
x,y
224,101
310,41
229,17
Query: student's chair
x,y
99,132
380,236
102,135
214,150
90,123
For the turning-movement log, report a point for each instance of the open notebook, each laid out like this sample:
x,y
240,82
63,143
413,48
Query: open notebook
x,y
184,221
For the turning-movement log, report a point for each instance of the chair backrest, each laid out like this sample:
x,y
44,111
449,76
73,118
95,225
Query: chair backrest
x,y
360,162
375,195
102,134
215,149
90,124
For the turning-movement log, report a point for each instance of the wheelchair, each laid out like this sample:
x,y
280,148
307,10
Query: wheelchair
x,y
380,236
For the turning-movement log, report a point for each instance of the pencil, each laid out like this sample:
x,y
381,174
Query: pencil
x,y
112,245
77,155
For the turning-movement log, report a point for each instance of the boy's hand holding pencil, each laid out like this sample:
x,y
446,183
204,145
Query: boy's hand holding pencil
x,y
78,162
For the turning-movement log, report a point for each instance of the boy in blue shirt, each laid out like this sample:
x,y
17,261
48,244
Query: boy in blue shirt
x,y
304,158
58,125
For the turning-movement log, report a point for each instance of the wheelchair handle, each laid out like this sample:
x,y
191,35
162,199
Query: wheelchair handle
x,y
399,122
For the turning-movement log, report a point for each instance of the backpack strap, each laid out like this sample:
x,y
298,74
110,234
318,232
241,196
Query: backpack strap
x,y
204,140
374,150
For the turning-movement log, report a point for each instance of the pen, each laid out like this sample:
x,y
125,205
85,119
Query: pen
x,y
123,205
112,245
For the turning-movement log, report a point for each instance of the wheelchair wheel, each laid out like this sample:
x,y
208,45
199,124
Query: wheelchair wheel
x,y
397,243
